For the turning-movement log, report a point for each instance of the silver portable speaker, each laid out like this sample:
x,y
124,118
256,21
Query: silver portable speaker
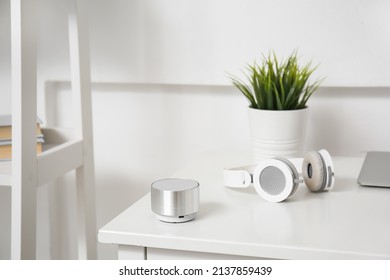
x,y
175,200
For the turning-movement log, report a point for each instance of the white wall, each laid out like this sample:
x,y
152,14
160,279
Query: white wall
x,y
197,42
153,112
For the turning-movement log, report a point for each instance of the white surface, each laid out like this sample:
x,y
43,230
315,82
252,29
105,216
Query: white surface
x,y
82,114
61,153
277,133
198,42
24,19
350,222
26,171
163,254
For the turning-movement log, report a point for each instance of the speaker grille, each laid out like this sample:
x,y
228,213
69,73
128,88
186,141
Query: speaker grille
x,y
272,180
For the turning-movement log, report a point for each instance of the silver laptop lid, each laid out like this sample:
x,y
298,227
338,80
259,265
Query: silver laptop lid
x,y
375,171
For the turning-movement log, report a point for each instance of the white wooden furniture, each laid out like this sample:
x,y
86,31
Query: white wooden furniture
x,y
63,152
350,222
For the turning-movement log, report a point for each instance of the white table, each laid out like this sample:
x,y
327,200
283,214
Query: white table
x,y
350,222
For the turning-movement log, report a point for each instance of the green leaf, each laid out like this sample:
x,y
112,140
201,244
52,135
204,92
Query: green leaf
x,y
277,84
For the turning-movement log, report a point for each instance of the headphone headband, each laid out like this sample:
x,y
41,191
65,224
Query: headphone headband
x,y
242,176
239,177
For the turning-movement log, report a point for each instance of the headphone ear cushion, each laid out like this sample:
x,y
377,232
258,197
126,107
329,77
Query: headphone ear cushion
x,y
313,171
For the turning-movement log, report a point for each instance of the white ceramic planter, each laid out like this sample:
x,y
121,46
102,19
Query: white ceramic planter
x,y
277,133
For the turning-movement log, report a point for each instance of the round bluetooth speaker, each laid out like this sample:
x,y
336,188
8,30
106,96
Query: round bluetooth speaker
x,y
175,200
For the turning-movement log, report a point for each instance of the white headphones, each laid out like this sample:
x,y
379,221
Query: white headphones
x,y
276,179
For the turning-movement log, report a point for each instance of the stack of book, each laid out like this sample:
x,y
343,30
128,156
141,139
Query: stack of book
x,y
6,137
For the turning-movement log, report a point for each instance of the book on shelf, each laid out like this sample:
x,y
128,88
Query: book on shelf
x,y
6,137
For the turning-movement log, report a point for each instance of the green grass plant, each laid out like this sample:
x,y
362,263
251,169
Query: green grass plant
x,y
277,85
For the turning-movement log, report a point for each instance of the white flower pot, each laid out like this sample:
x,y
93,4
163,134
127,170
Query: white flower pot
x,y
277,133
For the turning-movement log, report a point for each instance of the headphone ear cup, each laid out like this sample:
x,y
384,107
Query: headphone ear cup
x,y
314,171
275,179
294,173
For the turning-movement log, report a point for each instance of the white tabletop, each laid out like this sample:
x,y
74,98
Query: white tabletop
x,y
350,222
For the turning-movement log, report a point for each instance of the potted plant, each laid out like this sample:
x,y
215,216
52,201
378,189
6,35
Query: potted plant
x,y
278,92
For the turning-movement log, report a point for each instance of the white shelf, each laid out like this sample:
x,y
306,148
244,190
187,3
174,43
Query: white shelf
x,y
61,154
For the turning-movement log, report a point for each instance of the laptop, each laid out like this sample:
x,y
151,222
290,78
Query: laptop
x,y
375,170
